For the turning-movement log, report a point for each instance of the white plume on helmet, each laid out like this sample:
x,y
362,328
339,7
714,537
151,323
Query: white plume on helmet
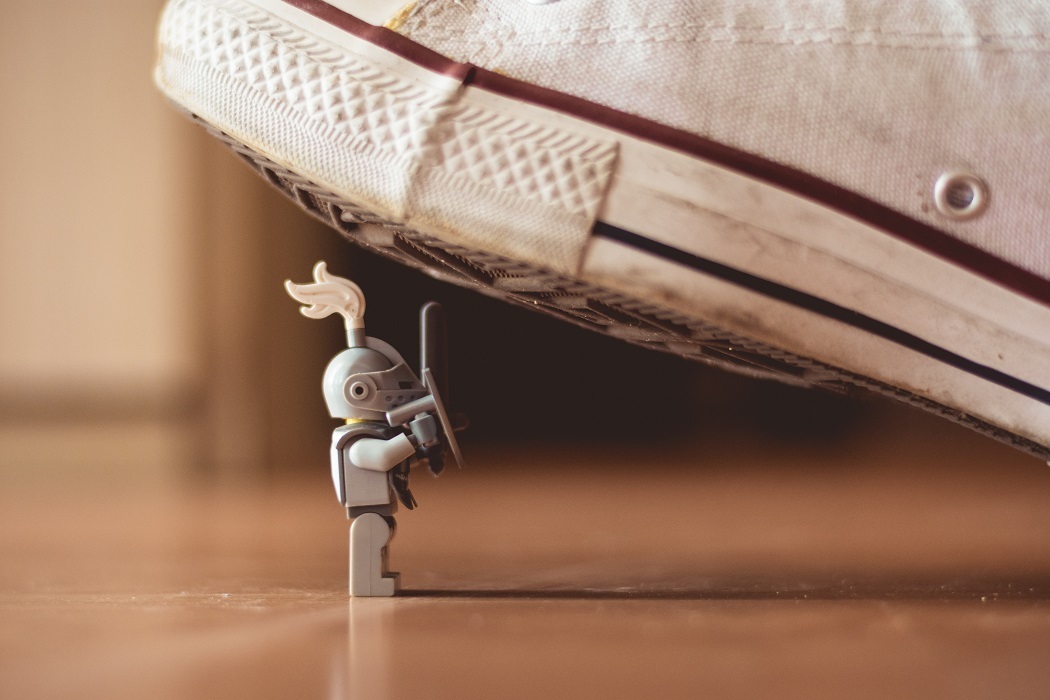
x,y
329,294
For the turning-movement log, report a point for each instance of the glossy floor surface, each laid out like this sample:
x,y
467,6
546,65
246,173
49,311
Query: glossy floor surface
x,y
872,571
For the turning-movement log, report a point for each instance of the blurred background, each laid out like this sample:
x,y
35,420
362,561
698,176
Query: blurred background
x,y
146,334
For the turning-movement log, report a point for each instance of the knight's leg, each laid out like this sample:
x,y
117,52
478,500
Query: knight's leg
x,y
369,535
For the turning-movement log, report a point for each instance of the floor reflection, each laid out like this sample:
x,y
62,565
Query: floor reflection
x,y
368,663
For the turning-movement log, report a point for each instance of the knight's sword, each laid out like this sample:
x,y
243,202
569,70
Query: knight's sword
x,y
442,414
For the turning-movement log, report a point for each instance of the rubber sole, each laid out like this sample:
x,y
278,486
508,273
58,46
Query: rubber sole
x,y
601,310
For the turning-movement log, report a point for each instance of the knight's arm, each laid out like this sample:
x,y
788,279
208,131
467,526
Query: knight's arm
x,y
381,455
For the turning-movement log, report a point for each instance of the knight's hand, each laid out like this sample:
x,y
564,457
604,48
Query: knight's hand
x,y
424,430
428,442
434,455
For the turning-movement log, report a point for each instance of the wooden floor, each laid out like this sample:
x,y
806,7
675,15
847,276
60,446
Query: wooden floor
x,y
877,570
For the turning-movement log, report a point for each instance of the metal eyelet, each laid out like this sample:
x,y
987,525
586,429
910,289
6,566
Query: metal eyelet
x,y
960,195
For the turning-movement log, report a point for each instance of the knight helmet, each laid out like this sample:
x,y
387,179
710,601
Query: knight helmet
x,y
370,377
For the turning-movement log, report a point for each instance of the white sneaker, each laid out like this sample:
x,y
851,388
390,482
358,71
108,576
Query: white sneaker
x,y
830,193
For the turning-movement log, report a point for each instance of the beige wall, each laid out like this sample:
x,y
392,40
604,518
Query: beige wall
x,y
95,253
131,337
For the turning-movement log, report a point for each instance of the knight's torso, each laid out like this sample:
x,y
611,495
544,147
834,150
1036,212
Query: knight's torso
x,y
355,486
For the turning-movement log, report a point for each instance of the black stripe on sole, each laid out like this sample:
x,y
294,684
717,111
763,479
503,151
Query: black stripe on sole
x,y
820,306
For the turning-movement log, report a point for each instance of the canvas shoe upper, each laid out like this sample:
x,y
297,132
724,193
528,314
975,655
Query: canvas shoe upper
x,y
830,193
879,98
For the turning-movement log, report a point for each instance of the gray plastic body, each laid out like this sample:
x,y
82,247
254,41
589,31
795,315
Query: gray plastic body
x,y
359,472
370,573
364,453
391,416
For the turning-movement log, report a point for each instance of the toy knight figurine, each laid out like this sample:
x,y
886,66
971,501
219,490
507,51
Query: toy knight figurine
x,y
391,418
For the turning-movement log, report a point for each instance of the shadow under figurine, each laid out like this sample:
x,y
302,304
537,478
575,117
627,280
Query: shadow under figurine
x,y
391,418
